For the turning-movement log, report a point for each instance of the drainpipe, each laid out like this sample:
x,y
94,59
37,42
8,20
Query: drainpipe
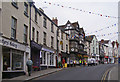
x,y
31,3
1,57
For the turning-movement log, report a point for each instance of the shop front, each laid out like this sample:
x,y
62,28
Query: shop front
x,y
111,60
14,57
35,54
105,59
48,58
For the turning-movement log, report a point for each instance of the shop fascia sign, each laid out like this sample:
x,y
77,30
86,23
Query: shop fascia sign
x,y
8,43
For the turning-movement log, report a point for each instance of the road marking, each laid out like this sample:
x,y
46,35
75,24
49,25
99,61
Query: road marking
x,y
105,74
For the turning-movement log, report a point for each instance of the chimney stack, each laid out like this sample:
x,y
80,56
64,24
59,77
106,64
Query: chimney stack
x,y
55,20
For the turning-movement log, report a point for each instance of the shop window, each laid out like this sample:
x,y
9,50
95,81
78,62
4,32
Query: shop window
x,y
13,60
44,57
6,59
52,59
17,62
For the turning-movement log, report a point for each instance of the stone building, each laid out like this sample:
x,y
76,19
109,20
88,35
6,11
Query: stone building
x,y
15,38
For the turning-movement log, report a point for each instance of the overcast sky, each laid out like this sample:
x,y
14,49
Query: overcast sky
x,y
89,22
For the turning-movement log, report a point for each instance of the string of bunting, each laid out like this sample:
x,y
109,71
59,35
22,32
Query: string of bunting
x,y
108,34
81,10
82,35
103,28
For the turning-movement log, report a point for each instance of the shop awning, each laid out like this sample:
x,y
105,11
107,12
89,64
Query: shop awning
x,y
35,45
105,56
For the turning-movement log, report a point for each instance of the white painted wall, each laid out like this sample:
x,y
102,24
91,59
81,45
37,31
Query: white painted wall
x,y
95,45
119,26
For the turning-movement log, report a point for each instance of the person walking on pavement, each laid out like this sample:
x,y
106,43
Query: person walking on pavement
x,y
63,62
29,64
74,63
80,61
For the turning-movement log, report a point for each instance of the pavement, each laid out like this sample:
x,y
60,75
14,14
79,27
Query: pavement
x,y
113,73
35,74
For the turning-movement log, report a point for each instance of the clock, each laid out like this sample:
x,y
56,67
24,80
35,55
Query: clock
x,y
72,49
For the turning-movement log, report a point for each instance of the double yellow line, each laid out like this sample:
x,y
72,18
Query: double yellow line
x,y
105,75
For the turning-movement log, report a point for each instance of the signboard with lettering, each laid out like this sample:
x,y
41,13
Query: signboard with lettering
x,y
12,44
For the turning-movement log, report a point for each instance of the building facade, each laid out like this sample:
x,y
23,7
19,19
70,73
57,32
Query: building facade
x,y
76,39
44,36
15,39
62,46
87,46
94,46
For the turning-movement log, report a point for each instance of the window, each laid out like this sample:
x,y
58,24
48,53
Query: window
x,y
33,33
25,33
93,50
61,35
45,23
66,48
52,28
61,46
15,4
44,38
37,38
52,41
35,15
13,28
58,32
66,37
44,60
26,9
57,44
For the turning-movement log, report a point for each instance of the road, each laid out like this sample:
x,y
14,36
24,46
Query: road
x,y
79,73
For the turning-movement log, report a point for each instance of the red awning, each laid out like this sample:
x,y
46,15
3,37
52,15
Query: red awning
x,y
105,56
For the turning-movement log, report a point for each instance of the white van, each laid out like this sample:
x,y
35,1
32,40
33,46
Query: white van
x,y
92,61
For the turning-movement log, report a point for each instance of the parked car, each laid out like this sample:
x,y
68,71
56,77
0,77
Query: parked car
x,y
92,61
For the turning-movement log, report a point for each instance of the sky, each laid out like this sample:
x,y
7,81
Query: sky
x,y
89,22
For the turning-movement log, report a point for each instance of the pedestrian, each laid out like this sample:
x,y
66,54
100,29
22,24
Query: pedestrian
x,y
29,64
84,62
80,61
63,62
74,63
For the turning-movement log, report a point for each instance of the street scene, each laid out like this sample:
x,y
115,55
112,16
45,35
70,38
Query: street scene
x,y
42,40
